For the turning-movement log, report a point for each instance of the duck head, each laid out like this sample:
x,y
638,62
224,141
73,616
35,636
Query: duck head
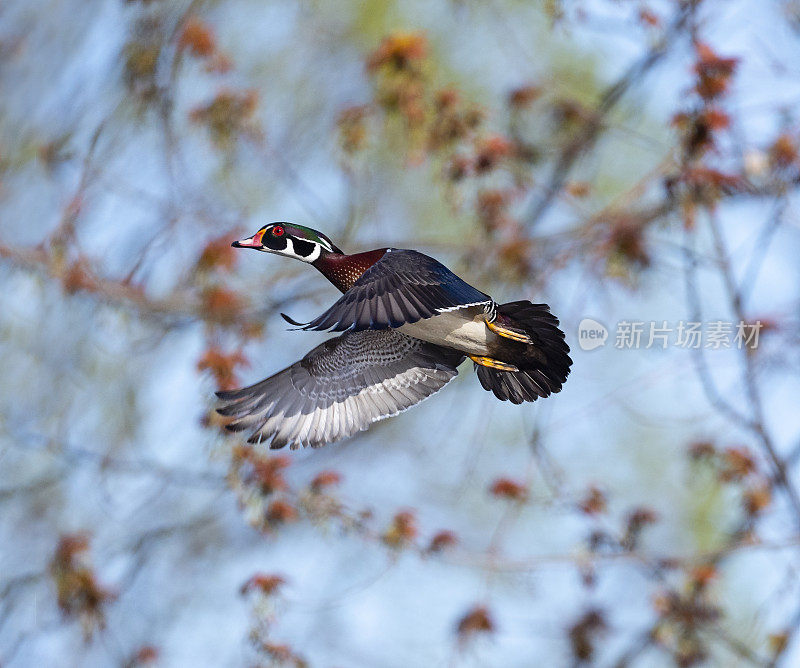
x,y
301,243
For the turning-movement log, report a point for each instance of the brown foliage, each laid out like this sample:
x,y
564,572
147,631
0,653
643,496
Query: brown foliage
x,y
352,125
442,540
476,621
514,253
702,575
524,96
625,242
265,471
221,305
737,463
699,128
506,488
636,521
229,115
265,583
757,497
402,531
78,592
399,51
707,185
78,277
702,450
452,121
682,617
281,654
458,168
218,254
222,366
649,18
783,152
280,512
144,656
490,151
397,67
594,502
492,206
197,37
583,634
141,56
325,479
714,72
778,642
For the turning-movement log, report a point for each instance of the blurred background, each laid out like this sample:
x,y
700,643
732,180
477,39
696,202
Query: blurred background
x,y
631,163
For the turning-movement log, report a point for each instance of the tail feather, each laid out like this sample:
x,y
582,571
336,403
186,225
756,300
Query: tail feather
x,y
513,386
544,364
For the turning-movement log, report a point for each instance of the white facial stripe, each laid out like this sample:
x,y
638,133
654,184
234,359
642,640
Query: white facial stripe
x,y
315,254
325,245
290,251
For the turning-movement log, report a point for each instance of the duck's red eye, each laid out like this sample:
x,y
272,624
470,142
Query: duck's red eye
x,y
278,231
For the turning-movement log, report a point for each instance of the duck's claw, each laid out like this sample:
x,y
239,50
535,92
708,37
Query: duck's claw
x,y
492,363
509,333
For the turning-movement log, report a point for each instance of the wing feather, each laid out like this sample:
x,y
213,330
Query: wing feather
x,y
404,286
339,388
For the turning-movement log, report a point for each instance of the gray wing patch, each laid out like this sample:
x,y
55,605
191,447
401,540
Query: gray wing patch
x,y
339,388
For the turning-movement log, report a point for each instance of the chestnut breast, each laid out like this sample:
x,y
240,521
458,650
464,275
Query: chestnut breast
x,y
344,270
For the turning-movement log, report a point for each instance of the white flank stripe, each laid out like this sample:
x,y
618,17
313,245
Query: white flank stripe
x,y
455,308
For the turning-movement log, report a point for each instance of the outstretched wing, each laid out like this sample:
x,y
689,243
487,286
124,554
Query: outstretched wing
x,y
404,286
340,388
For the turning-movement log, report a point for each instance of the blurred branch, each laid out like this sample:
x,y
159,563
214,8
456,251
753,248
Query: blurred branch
x,y
139,548
739,648
760,248
698,355
635,649
588,135
528,564
41,261
758,423
73,454
28,488
64,234
178,307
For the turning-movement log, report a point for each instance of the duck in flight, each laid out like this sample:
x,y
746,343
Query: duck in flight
x,y
408,322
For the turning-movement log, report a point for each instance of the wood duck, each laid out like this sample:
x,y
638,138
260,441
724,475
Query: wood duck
x,y
408,322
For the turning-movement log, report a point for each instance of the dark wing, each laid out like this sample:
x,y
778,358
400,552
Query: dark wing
x,y
340,388
403,286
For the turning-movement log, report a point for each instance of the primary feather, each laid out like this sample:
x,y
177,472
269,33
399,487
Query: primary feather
x,y
339,388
